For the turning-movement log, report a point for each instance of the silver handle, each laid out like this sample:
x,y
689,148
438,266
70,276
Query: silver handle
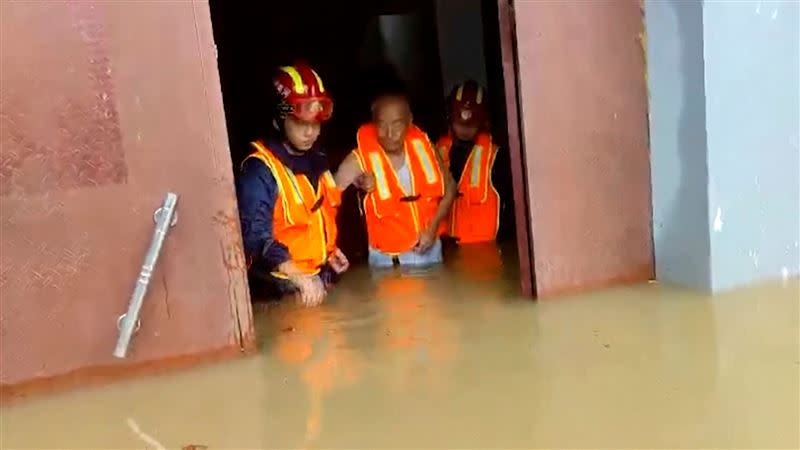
x,y
165,218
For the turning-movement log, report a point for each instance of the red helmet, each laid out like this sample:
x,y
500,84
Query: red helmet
x,y
468,104
301,94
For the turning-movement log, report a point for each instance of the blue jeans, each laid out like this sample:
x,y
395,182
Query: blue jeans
x,y
433,256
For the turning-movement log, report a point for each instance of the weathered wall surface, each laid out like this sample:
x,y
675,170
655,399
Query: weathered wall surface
x,y
106,106
725,139
584,117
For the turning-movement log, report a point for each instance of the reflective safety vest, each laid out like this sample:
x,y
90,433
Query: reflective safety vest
x,y
304,220
395,217
475,216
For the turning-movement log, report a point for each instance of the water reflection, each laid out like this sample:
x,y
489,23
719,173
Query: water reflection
x,y
453,358
479,263
411,317
414,328
312,341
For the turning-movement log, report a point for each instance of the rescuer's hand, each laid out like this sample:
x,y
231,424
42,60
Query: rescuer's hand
x,y
338,261
365,182
310,289
426,240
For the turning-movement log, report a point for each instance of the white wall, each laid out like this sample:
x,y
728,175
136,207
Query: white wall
x,y
752,60
724,82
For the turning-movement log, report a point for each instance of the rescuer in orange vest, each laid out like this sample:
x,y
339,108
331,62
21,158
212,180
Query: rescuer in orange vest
x,y
409,191
469,153
288,198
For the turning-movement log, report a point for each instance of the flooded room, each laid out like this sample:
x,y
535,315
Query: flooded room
x,y
404,224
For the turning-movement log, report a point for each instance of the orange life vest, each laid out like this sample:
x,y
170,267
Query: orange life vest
x,y
304,220
475,216
395,217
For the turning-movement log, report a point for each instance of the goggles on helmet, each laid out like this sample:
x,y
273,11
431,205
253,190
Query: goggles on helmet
x,y
313,109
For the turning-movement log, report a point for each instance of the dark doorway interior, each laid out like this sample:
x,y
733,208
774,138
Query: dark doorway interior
x,y
352,44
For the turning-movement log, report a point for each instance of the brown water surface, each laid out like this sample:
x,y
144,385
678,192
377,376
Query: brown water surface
x,y
454,358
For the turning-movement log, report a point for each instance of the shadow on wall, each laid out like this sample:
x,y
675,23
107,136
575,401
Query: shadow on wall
x,y
678,142
724,142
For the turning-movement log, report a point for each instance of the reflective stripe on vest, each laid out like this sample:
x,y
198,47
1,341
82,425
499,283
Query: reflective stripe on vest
x,y
475,213
427,165
475,177
289,183
394,216
478,165
421,161
307,226
381,180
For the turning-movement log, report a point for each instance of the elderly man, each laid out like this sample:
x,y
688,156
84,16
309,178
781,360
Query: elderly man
x,y
409,190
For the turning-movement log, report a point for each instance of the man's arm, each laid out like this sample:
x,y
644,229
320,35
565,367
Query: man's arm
x,y
450,193
257,192
348,172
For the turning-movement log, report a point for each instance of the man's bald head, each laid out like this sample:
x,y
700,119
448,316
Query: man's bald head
x,y
392,116
390,101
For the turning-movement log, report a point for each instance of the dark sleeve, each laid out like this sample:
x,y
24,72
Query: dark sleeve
x,y
501,180
257,192
501,175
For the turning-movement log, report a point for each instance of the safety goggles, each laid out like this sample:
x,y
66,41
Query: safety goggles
x,y
316,109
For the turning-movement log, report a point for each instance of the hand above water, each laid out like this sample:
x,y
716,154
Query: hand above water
x,y
365,182
338,261
311,290
426,240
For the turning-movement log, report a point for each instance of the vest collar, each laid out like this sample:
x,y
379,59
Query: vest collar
x,y
312,163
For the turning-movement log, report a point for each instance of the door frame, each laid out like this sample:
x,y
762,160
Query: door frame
x,y
508,51
589,203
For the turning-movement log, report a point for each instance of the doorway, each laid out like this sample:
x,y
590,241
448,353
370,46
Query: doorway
x,y
430,45
580,72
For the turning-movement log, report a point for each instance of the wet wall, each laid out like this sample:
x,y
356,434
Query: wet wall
x,y
724,138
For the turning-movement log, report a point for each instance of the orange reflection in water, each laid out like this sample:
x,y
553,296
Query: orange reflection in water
x,y
415,329
311,340
477,262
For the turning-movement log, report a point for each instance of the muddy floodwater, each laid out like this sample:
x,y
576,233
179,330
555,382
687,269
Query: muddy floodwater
x,y
454,358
